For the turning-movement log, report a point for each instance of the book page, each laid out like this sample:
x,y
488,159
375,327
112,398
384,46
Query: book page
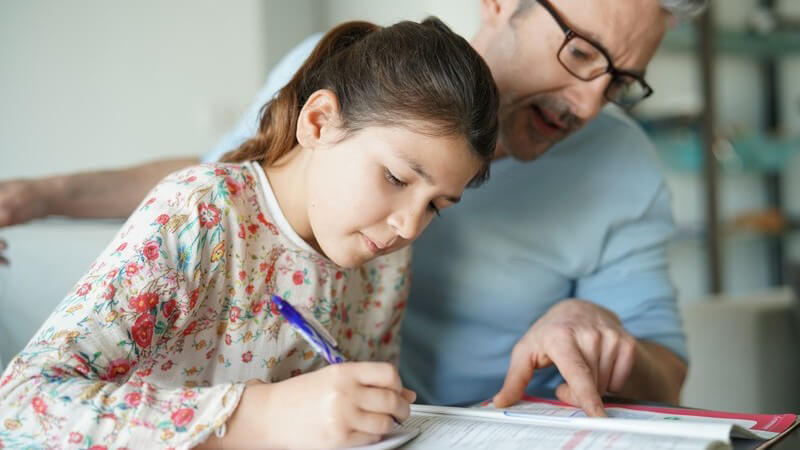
x,y
445,432
395,439
692,430
765,426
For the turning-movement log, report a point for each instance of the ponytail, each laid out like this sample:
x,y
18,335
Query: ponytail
x,y
277,130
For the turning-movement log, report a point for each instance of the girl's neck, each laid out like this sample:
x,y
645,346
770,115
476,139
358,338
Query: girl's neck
x,y
287,177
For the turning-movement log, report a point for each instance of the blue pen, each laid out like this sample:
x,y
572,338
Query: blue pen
x,y
313,332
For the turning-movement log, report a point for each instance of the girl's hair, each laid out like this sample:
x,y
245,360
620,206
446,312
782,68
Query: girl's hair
x,y
418,75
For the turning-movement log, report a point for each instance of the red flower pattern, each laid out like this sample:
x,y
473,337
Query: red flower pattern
x,y
38,405
84,289
234,314
131,269
182,417
150,250
209,215
117,368
133,399
108,294
143,302
190,329
233,187
142,330
193,298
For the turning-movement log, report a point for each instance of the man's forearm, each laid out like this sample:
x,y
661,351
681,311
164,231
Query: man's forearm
x,y
658,374
108,193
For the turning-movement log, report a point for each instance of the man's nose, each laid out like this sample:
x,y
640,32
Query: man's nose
x,y
588,97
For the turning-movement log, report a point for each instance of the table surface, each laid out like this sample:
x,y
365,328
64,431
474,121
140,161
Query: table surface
x,y
789,442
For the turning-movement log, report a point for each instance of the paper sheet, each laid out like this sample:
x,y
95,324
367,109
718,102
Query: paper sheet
x,y
445,432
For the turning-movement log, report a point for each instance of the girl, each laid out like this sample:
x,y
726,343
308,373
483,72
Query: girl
x,y
172,335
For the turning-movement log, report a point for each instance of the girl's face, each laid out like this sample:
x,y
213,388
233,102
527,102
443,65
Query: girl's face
x,y
374,192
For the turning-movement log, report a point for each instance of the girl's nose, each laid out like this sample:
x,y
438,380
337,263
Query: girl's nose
x,y
407,224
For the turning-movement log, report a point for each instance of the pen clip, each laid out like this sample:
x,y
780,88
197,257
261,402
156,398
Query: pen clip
x,y
319,328
311,330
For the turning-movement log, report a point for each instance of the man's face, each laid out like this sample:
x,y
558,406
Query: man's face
x,y
541,102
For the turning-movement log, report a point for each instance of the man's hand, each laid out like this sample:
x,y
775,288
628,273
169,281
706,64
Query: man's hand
x,y
587,344
22,201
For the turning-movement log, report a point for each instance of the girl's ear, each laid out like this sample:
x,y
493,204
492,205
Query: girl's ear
x,y
495,13
318,123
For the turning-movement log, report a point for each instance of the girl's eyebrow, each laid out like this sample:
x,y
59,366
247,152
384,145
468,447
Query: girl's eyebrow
x,y
417,167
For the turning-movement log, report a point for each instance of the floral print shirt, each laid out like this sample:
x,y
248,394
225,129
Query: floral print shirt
x,y
152,346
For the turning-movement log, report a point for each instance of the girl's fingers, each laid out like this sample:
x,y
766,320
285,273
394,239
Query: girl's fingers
x,y
383,401
409,395
358,438
371,423
383,375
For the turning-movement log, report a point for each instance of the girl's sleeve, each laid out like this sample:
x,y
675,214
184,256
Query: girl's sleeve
x,y
81,382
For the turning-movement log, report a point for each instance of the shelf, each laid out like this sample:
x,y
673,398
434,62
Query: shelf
x,y
742,227
746,43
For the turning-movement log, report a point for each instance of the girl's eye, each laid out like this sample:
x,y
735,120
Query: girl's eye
x,y
393,179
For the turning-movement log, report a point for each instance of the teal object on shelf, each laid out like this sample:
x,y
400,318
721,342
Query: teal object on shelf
x,y
683,151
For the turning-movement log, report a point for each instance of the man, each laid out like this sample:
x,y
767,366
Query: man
x,y
556,263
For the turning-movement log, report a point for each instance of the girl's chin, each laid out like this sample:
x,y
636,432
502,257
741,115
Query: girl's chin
x,y
348,261
352,261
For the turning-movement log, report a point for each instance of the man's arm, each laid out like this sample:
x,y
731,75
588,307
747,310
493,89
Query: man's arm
x,y
99,194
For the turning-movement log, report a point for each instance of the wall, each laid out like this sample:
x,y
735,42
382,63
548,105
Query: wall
x,y
97,84
462,16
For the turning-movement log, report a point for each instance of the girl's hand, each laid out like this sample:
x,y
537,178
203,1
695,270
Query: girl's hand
x,y
342,405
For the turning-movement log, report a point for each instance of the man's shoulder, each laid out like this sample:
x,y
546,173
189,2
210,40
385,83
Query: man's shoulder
x,y
612,147
614,134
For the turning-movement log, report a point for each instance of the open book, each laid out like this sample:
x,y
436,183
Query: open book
x,y
537,423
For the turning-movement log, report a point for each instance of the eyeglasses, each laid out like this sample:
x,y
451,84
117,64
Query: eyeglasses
x,y
586,60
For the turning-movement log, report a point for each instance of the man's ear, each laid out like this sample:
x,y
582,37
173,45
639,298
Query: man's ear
x,y
497,12
318,122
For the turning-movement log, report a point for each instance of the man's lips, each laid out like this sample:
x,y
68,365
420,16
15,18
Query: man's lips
x,y
547,124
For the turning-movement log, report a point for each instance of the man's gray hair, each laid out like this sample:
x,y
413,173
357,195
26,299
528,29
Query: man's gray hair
x,y
684,9
680,9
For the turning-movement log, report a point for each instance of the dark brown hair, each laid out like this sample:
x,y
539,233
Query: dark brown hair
x,y
387,76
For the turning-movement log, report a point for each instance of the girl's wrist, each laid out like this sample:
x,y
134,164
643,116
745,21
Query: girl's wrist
x,y
236,432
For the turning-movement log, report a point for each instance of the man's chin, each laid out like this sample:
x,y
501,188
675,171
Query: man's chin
x,y
525,149
526,153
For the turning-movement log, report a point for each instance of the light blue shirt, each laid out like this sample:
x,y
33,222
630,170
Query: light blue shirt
x,y
590,219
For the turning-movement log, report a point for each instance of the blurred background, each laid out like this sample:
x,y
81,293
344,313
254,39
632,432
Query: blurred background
x,y
98,84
